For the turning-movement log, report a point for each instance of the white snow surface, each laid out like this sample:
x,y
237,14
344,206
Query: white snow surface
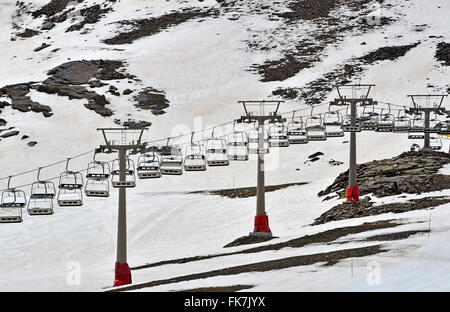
x,y
203,68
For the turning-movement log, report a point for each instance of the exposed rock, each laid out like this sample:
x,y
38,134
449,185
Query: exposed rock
x,y
42,47
127,91
411,172
308,10
152,99
3,122
28,33
48,26
443,53
151,26
3,104
132,124
91,15
9,134
368,208
387,53
32,143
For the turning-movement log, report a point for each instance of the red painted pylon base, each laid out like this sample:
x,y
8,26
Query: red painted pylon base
x,y
123,274
352,193
262,225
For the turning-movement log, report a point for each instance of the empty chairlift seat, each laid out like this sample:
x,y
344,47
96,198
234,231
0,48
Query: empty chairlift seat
x,y
386,121
70,188
216,152
171,160
315,130
129,174
416,128
402,123
237,146
149,166
11,204
41,197
195,157
332,121
297,131
97,187
253,141
278,135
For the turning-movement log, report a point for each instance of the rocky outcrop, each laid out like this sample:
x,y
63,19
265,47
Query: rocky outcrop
x,y
151,26
410,172
20,101
152,99
443,53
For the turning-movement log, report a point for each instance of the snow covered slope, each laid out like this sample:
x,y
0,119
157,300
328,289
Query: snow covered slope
x,y
204,65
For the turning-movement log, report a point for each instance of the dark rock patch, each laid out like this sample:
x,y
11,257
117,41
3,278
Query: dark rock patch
x,y
31,143
42,47
244,192
20,101
308,10
28,33
368,208
247,240
387,53
9,134
152,99
151,26
411,173
53,7
91,15
443,53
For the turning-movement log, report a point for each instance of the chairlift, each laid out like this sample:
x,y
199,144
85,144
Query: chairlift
x,y
315,130
195,156
416,128
278,135
148,166
171,160
435,143
98,169
237,145
402,123
386,121
12,202
97,187
216,151
435,125
332,120
129,175
368,120
296,131
347,123
70,188
445,129
41,197
253,141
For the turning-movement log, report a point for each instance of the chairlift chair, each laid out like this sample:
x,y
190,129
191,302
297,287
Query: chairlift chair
x,y
41,197
237,145
435,143
98,169
416,128
347,123
253,141
70,188
368,120
445,129
296,131
97,187
402,123
315,130
386,121
130,178
12,202
216,151
195,156
149,166
171,160
332,120
278,135
435,125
